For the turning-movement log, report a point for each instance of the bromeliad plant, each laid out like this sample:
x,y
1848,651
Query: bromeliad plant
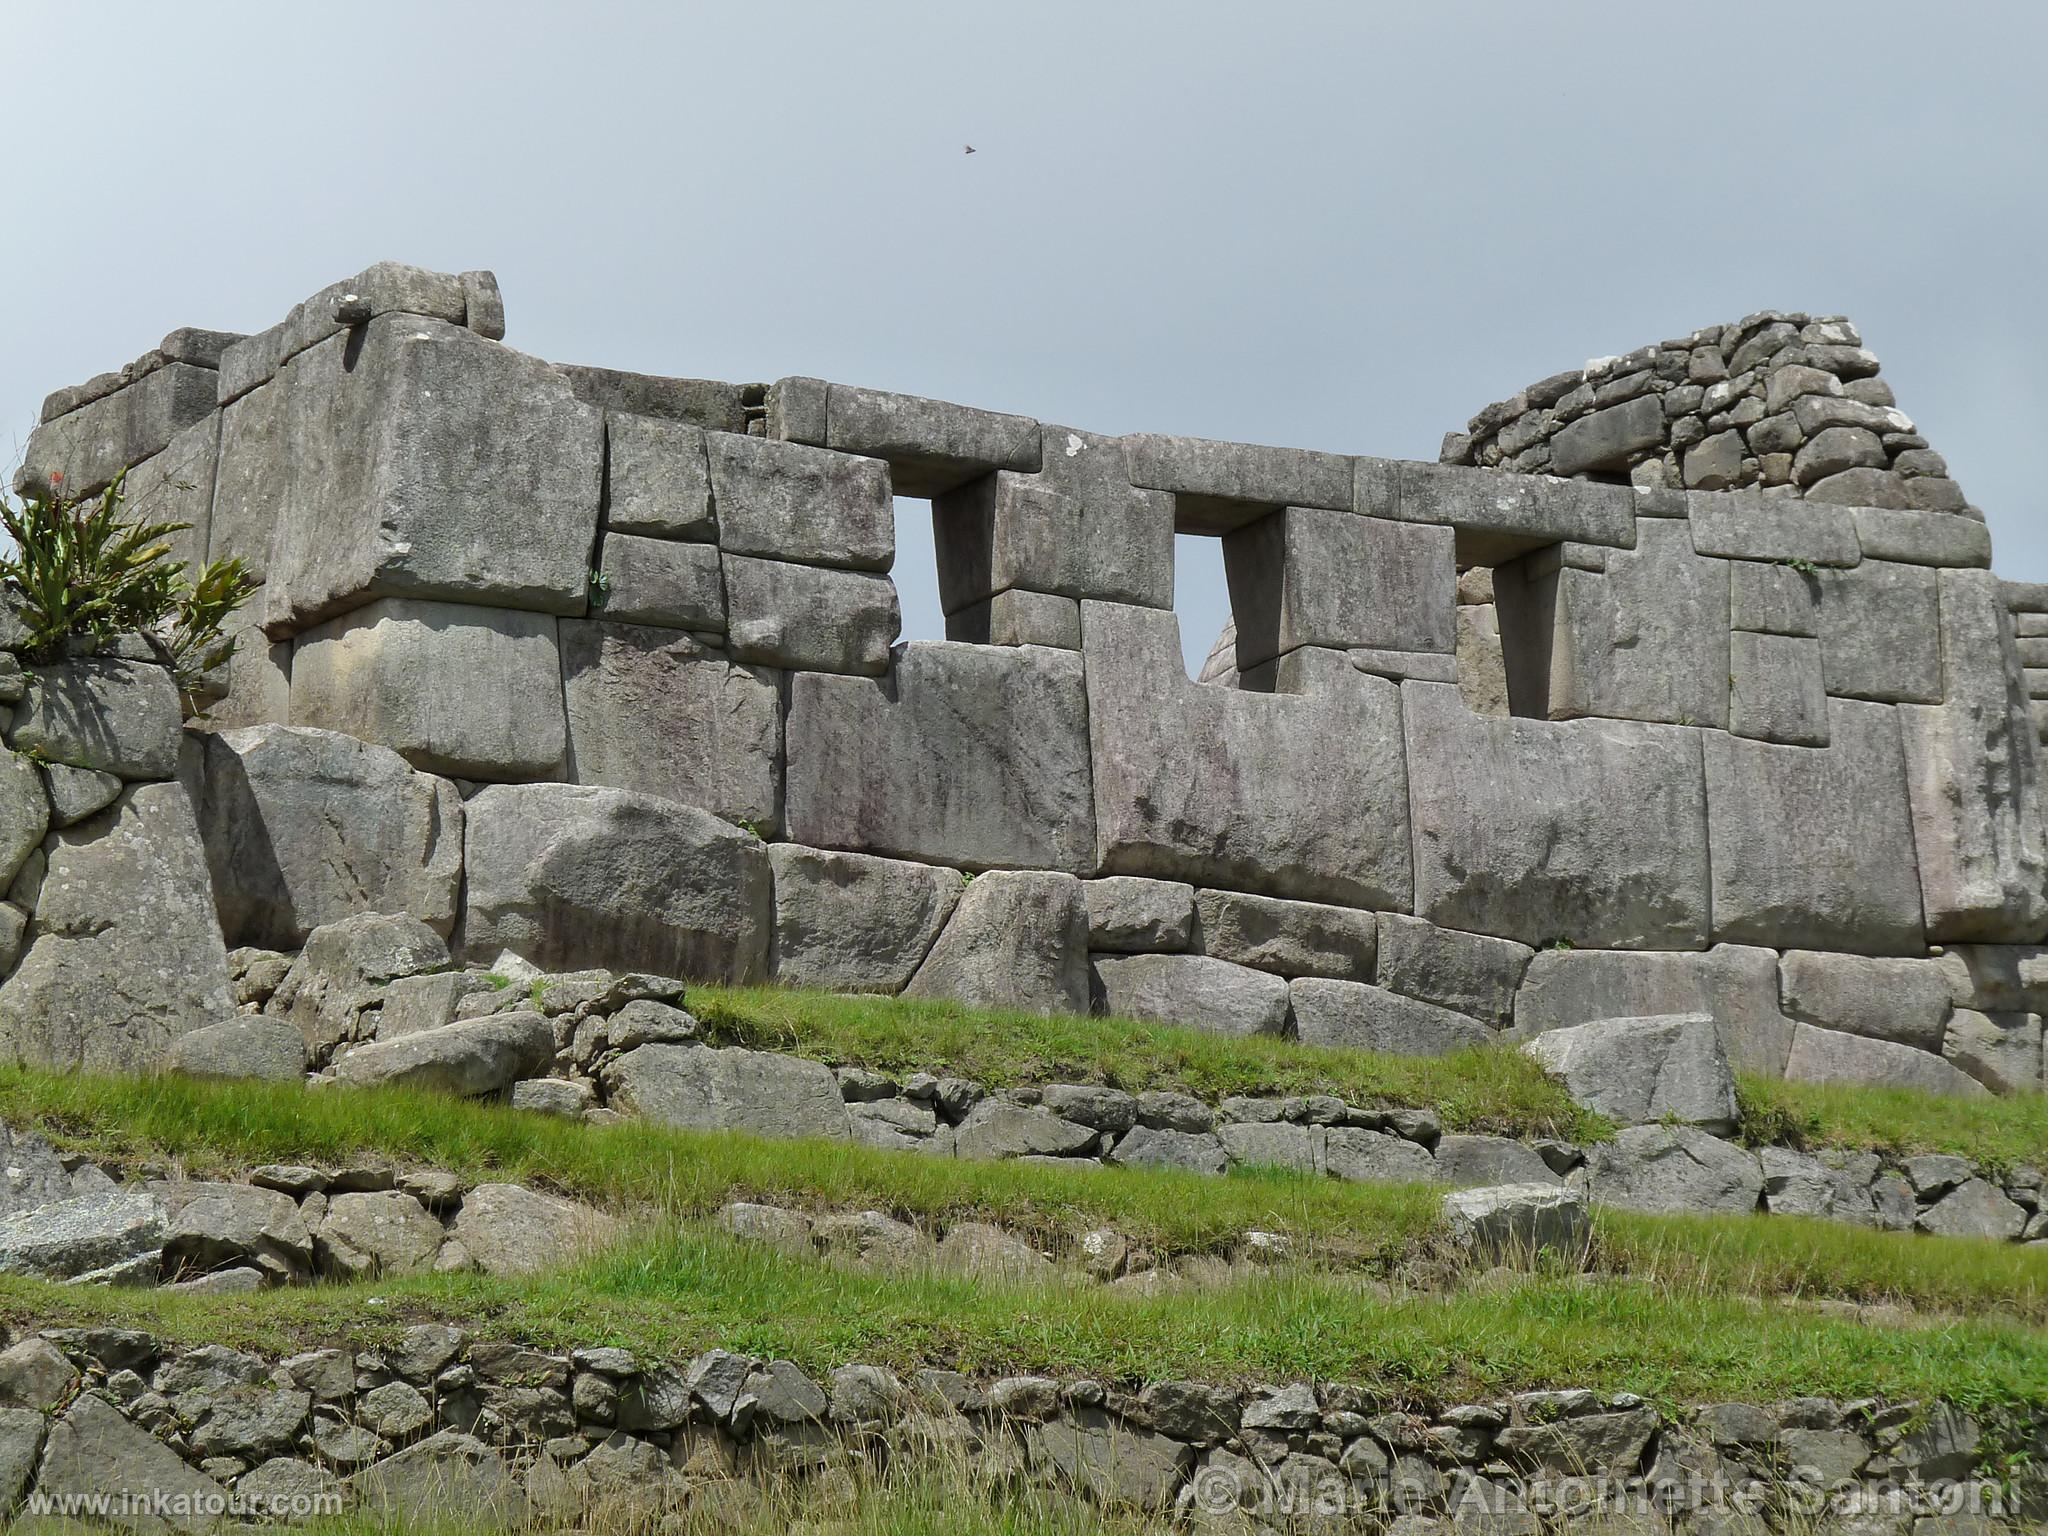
x,y
79,571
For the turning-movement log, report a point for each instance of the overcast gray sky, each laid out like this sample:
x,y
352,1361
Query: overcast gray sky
x,y
1342,226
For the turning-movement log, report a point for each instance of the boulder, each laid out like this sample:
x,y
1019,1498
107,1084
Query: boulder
x,y
306,827
343,971
1017,940
445,1471
106,713
245,1047
1130,914
1825,1056
1302,795
996,1128
509,1230
1813,847
568,1098
1373,1156
978,1251
1512,1223
31,1173
213,1226
1158,1147
1360,1017
1116,1463
853,922
1673,1168
1588,830
1193,991
1468,973
475,693
126,954
1670,1069
1291,938
35,1374
1483,1161
114,1234
571,875
94,1450
1974,1208
1734,985
703,1088
380,1232
967,755
661,713
471,1057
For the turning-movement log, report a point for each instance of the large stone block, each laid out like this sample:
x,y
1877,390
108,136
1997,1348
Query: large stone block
x,y
1824,1056
570,876
1193,991
1634,1071
932,446
1736,987
2000,1050
305,827
713,1090
1291,938
1306,576
1071,534
105,713
1018,940
1608,439
25,807
785,501
1906,1001
661,581
657,479
1880,632
1289,795
852,922
473,692
1922,538
176,486
1218,486
1589,830
1747,525
93,444
1776,691
383,288
1496,515
1674,1168
1974,766
1469,973
125,953
1813,848
655,711
1128,914
809,618
426,462
1368,1018
262,437
972,756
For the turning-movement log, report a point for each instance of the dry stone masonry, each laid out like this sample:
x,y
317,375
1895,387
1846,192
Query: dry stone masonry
x,y
1682,686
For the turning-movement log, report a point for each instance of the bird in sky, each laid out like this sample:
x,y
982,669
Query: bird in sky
x,y
970,149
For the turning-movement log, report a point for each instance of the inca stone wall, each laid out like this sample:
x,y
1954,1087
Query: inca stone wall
x,y
601,669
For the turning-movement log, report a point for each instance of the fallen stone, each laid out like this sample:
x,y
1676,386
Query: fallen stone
x,y
93,1448
245,1047
343,971
471,1057
83,1236
509,1230
1976,1208
1670,1069
1513,1223
31,1173
1824,1056
563,1097
702,1088
979,1251
1673,1168
376,1233
1734,985
214,1226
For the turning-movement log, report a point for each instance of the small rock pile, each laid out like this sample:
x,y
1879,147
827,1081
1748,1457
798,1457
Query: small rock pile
x,y
1776,400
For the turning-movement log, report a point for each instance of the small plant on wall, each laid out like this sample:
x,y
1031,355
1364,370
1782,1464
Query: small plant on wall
x,y
80,573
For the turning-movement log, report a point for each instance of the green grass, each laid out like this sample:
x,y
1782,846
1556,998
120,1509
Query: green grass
x,y
692,1288
1994,1133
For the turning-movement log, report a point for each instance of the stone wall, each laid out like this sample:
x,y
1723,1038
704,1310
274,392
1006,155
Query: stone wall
x,y
599,668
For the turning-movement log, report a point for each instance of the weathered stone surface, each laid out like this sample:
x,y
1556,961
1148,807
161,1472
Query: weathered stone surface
x,y
1922,538
34,1374
1512,1223
1813,849
117,1231
1018,939
25,812
1824,1056
1734,985
427,463
1774,599
853,922
2000,1050
1018,617
1673,1168
1497,516
1997,978
1291,938
91,445
1114,1463
1370,1018
445,1471
809,618
344,969
473,692
972,756
265,1050
1776,692
1375,1157
103,712
305,827
1608,439
572,875
660,713
1192,990
1482,666
469,1057
1744,525
1591,831
658,480
126,954
1974,1209
1130,914
1633,1071
1156,1147
508,1230
723,1090
1906,1001
786,501
1290,795
75,793
983,1252
660,581
214,1225
1879,627
381,1232
1305,576
1973,764
1468,973
31,1173
1479,1161
931,446
176,486
1219,485
94,1450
